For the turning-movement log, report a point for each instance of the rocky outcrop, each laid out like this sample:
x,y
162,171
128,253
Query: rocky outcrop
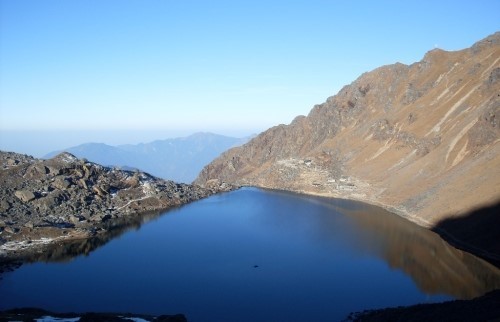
x,y
12,159
66,198
421,140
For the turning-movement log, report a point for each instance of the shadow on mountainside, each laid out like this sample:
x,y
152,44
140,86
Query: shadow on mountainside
x,y
476,232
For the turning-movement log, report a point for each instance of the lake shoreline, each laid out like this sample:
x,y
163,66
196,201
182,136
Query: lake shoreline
x,y
492,258
37,241
32,314
482,308
46,202
400,247
485,307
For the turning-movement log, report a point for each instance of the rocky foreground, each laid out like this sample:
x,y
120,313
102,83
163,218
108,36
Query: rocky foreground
x,y
33,314
422,140
484,308
63,198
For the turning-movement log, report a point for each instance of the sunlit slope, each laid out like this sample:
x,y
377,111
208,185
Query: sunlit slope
x,y
422,140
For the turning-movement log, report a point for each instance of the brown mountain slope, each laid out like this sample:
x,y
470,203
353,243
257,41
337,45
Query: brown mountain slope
x,y
421,140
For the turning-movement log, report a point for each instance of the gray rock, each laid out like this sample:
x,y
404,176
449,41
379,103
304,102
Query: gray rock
x,y
41,169
54,171
36,171
4,206
47,203
12,162
95,218
10,159
74,219
61,183
25,195
99,191
9,230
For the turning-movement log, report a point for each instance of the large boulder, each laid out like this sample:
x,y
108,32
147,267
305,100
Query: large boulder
x,y
60,182
25,195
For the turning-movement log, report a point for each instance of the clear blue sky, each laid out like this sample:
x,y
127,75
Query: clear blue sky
x,y
232,67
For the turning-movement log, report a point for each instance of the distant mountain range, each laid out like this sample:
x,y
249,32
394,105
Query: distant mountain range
x,y
178,159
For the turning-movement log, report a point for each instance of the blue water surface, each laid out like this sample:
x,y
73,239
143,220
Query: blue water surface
x,y
251,255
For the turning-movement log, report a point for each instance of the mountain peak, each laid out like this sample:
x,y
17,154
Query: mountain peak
x,y
413,139
491,40
66,157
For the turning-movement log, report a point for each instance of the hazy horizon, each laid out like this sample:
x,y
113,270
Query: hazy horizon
x,y
122,72
38,143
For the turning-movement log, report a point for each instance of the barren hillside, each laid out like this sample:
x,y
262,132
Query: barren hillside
x,y
46,201
421,140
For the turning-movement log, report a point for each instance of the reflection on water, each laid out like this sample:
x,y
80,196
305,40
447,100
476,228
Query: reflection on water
x,y
68,250
253,255
434,265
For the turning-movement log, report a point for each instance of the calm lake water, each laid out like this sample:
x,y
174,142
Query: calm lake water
x,y
253,255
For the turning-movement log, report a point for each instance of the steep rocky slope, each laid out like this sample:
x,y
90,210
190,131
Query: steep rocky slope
x,y
66,198
421,140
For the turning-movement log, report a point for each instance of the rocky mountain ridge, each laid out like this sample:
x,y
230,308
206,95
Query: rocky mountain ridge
x,y
421,140
67,198
177,159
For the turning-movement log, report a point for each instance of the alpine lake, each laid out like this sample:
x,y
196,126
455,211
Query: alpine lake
x,y
252,255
